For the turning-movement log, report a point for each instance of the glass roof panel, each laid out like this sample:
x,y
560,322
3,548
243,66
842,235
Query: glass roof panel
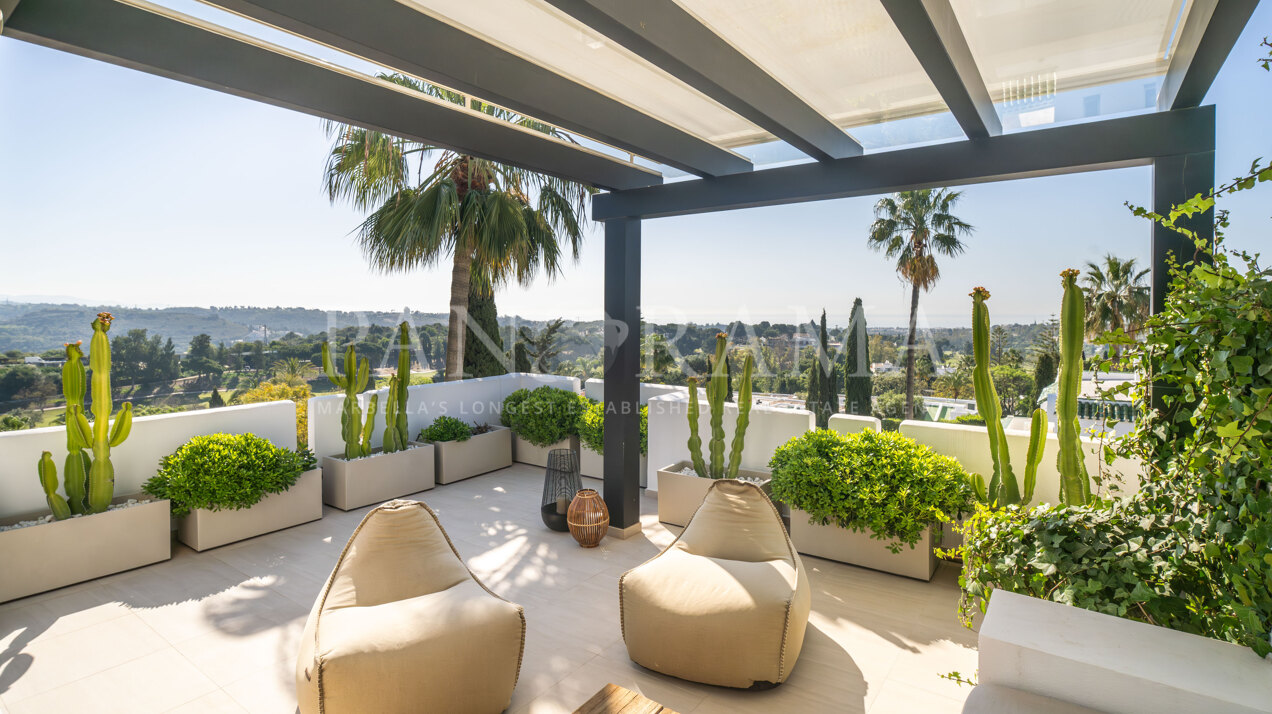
x,y
1055,61
548,37
845,58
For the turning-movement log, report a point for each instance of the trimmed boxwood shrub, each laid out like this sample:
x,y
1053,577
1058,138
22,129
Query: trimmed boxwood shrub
x,y
446,428
511,404
591,428
545,415
885,484
226,471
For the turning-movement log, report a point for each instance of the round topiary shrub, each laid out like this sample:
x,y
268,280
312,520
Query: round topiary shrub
x,y
546,415
591,428
886,484
511,404
226,471
446,428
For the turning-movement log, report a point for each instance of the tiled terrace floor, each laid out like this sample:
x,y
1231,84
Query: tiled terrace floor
x,y
216,631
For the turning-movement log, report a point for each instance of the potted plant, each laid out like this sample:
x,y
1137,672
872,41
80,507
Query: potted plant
x,y
366,475
228,487
542,420
591,429
871,499
683,485
90,532
462,451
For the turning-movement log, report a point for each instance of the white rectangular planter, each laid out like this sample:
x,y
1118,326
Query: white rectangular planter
x,y
480,454
203,529
679,495
592,464
858,548
53,555
379,477
523,452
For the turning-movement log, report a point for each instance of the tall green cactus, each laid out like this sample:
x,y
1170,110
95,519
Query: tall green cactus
x,y
357,436
396,434
1075,483
90,482
716,388
1003,489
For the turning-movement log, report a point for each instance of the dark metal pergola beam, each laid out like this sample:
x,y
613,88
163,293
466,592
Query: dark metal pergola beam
x,y
135,38
396,35
1207,36
933,33
1113,143
667,36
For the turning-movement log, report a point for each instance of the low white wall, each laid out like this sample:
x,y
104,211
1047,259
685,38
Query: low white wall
x,y
970,445
594,389
768,429
470,400
137,459
1112,664
853,423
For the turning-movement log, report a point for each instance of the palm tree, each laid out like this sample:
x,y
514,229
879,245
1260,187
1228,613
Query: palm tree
x,y
914,227
1116,297
293,372
496,223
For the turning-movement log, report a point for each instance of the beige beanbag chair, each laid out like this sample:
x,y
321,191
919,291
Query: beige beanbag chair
x,y
403,626
726,603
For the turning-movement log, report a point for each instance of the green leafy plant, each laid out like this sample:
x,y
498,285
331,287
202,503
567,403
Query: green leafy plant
x,y
511,404
90,481
970,420
717,387
886,484
226,471
546,415
1192,549
396,435
357,436
446,428
591,428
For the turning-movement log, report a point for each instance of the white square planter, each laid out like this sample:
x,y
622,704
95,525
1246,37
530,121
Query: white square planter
x,y
592,464
379,477
202,529
679,495
53,555
480,454
523,452
858,548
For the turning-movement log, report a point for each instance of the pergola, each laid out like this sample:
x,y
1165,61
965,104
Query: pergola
x,y
855,97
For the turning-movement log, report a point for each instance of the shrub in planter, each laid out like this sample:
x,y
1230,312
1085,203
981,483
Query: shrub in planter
x,y
511,405
446,428
546,415
591,428
882,483
226,471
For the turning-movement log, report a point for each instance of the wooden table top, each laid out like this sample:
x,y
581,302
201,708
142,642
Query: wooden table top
x,y
613,699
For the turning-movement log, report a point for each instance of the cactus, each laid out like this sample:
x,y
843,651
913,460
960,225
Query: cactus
x,y
357,437
1075,483
396,434
1003,489
90,482
716,388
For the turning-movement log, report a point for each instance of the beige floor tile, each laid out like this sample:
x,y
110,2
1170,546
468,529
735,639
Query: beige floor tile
x,y
155,683
45,665
214,702
266,692
228,658
901,698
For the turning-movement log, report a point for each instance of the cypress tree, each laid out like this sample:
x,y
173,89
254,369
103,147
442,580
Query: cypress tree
x,y
728,379
479,359
857,363
823,388
215,401
1044,374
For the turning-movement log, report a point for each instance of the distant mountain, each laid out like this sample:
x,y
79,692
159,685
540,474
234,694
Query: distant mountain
x,y
36,327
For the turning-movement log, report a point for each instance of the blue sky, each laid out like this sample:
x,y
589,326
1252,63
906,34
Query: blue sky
x,y
123,188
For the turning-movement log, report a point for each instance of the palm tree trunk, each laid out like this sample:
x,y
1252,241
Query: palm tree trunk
x,y
461,275
909,352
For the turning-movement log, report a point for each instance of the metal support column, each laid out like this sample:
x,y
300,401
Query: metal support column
x,y
1175,180
622,374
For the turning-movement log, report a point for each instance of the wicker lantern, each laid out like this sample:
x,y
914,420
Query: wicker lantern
x,y
588,518
560,483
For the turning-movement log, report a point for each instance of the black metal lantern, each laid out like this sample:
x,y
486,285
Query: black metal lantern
x,y
560,482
